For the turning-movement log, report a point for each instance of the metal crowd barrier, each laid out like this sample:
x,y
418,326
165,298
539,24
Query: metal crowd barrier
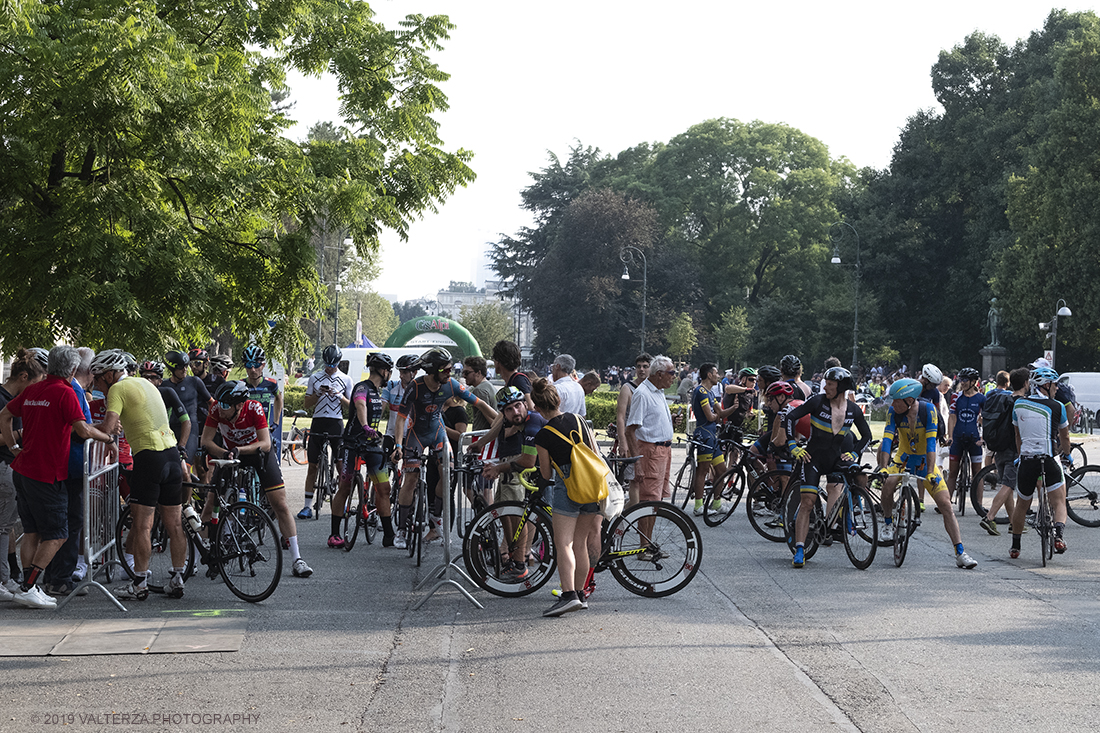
x,y
101,509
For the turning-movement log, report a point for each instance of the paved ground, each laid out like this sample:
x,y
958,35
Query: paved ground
x,y
750,645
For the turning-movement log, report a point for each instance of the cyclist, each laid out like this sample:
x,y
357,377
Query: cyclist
x,y
327,394
909,445
178,419
767,376
740,396
964,427
790,367
191,391
242,427
362,440
1041,425
198,361
709,459
422,411
219,370
832,417
268,392
394,391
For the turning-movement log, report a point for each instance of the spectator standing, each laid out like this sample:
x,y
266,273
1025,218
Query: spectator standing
x,y
649,431
569,391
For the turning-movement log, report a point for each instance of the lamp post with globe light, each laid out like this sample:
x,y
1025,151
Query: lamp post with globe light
x,y
628,255
836,239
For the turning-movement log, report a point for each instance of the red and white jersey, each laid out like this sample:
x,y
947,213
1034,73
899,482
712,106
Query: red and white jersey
x,y
245,429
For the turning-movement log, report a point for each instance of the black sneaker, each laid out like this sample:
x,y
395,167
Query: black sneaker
x,y
567,603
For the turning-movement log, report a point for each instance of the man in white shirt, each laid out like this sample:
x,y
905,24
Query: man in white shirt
x,y
569,390
649,431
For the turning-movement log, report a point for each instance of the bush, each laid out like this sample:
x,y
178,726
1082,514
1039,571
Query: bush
x,y
294,398
600,407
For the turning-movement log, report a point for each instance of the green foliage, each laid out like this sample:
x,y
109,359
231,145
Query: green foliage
x,y
600,407
733,334
681,336
407,311
487,323
379,320
148,194
294,398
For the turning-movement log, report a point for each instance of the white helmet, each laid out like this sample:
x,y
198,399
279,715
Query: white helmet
x,y
932,373
108,360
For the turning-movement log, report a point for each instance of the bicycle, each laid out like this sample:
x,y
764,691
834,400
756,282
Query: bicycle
x,y
294,443
324,482
360,512
906,514
466,475
1083,495
853,510
730,486
653,565
246,549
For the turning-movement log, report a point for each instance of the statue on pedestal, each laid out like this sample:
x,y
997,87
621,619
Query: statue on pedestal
x,y
994,320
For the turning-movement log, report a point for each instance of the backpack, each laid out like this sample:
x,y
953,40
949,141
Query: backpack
x,y
586,482
997,429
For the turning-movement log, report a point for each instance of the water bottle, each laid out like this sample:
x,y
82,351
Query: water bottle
x,y
192,518
242,495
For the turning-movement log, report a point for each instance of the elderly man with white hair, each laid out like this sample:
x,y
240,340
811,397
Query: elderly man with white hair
x,y
649,431
569,390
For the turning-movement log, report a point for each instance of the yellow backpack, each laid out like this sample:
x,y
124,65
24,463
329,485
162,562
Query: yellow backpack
x,y
586,482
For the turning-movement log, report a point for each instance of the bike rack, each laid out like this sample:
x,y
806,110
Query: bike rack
x,y
443,573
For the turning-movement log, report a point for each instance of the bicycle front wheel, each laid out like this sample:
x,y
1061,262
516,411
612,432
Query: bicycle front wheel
x,y
724,496
368,517
682,486
764,505
962,483
792,504
1078,453
486,549
982,490
905,517
321,482
249,551
1083,496
160,555
298,449
1045,526
664,548
860,528
352,517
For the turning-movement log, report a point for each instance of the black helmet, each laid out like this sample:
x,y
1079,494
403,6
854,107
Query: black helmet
x,y
434,360
331,355
221,362
768,373
508,395
790,364
408,361
232,393
378,360
842,377
176,360
968,373
152,367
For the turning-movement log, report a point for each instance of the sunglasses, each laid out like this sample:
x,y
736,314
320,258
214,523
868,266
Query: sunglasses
x,y
670,372
253,364
225,405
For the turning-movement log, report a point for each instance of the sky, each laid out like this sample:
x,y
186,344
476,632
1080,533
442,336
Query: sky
x,y
528,79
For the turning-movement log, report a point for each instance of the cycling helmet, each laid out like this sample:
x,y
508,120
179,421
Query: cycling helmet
x,y
968,373
747,372
40,355
232,393
408,361
779,389
198,355
221,362
254,356
1042,376
131,361
768,373
152,367
790,364
842,377
108,361
378,360
331,355
508,395
434,360
903,389
932,373
176,360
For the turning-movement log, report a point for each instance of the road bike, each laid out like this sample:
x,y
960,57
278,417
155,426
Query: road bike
x,y
853,514
324,482
1082,494
360,512
743,470
906,516
294,442
653,563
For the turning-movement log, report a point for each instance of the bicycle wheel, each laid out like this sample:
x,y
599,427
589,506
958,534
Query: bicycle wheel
x,y
764,505
353,517
860,526
415,533
675,549
1044,525
791,502
298,449
727,490
1078,453
160,556
681,488
905,517
249,553
1083,496
368,519
983,488
486,564
962,483
321,482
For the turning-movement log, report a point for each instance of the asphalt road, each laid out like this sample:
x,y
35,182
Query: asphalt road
x,y
750,645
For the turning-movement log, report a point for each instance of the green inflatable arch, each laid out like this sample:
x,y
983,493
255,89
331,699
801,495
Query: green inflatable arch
x,y
451,329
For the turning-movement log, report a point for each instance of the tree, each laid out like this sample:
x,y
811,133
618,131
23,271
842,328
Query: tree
x,y
732,332
378,318
148,192
681,336
487,323
408,310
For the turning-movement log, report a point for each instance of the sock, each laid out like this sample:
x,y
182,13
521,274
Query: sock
x,y
404,514
959,549
13,564
294,554
30,576
309,500
143,579
1015,542
799,544
387,526
1059,527
336,525
698,503
887,521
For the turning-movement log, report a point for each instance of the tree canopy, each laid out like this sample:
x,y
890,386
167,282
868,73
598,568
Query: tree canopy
x,y
149,194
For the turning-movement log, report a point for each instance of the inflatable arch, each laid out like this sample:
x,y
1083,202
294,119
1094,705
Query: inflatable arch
x,y
445,326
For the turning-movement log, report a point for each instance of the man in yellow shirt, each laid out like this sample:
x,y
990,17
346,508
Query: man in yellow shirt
x,y
134,405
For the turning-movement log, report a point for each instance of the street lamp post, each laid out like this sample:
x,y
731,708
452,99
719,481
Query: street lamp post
x,y
628,256
1063,311
836,238
336,316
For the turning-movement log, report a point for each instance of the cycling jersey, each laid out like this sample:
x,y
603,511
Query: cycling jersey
x,y
701,396
966,411
393,394
423,409
242,430
191,392
909,444
141,411
1038,419
523,441
177,415
328,400
367,394
825,447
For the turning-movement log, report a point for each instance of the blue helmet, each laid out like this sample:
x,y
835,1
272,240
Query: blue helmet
x,y
904,389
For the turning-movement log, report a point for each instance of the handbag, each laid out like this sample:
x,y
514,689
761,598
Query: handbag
x,y
586,482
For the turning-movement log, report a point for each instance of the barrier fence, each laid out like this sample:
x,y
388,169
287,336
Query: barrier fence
x,y
101,509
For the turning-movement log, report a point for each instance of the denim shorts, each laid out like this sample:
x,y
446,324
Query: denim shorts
x,y
43,507
566,507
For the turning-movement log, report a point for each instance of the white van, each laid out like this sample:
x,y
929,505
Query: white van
x,y
1086,385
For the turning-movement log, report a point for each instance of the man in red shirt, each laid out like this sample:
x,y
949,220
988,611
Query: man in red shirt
x,y
50,412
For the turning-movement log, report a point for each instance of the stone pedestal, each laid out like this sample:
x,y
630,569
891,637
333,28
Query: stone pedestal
x,y
994,359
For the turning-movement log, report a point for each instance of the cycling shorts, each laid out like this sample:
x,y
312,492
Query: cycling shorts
x,y
415,446
320,430
827,463
373,459
712,453
968,443
916,464
157,478
1034,469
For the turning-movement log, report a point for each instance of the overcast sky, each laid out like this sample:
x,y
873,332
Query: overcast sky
x,y
529,78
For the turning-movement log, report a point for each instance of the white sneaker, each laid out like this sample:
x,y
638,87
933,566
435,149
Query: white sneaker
x,y
965,561
80,572
887,533
34,598
399,540
5,594
301,570
11,585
